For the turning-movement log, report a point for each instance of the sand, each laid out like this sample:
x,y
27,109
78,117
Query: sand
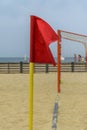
x,y
14,104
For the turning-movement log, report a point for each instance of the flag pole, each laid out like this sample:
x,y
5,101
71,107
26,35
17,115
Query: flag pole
x,y
37,30
59,61
31,75
31,96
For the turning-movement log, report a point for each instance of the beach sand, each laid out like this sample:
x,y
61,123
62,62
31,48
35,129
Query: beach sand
x,y
14,101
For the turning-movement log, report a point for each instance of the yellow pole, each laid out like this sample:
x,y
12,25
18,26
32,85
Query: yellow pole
x,y
31,96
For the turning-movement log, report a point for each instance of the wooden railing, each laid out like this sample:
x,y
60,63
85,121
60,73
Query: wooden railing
x,y
24,67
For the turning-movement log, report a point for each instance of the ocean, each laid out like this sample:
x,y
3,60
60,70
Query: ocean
x,y
66,60
22,59
13,59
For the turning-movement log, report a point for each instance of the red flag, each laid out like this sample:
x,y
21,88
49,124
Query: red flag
x,y
41,35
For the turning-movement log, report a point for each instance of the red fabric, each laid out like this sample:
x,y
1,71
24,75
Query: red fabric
x,y
41,35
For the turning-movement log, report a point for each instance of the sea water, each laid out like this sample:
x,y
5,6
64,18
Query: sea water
x,y
66,60
22,59
13,59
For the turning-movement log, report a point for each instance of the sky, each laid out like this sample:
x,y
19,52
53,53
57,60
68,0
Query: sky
x,y
68,15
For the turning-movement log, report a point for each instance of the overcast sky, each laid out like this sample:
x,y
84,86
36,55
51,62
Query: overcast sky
x,y
69,15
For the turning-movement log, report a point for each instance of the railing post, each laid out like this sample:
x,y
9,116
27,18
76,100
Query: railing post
x,y
8,68
21,67
47,68
72,66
